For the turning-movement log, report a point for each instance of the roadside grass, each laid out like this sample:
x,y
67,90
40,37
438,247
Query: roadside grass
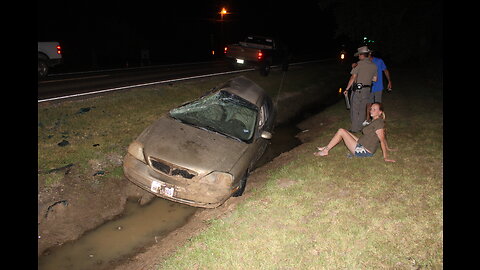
x,y
98,130
336,212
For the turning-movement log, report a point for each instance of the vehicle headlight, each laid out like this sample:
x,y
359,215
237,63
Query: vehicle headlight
x,y
136,149
218,178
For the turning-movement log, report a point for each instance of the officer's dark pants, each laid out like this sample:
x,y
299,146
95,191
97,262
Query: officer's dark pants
x,y
359,101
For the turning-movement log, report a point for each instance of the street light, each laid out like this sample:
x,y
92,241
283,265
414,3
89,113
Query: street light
x,y
223,12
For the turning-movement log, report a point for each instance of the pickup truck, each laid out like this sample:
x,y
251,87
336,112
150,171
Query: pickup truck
x,y
258,51
49,55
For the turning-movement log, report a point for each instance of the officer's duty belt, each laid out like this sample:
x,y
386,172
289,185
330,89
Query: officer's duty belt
x,y
359,86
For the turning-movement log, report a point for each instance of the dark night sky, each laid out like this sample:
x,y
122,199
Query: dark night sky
x,y
110,33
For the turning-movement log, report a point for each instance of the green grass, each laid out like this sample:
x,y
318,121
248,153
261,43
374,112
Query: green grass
x,y
339,212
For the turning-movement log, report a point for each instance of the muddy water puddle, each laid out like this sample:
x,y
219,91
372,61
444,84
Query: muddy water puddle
x,y
137,227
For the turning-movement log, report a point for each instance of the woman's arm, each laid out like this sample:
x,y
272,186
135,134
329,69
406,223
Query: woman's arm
x,y
383,143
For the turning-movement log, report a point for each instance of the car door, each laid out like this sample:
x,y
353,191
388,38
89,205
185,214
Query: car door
x,y
263,124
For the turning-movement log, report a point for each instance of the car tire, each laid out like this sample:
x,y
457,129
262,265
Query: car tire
x,y
42,69
243,184
264,68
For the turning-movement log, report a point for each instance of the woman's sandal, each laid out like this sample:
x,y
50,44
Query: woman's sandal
x,y
321,153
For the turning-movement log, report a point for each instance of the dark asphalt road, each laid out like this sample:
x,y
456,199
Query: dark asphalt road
x,y
58,85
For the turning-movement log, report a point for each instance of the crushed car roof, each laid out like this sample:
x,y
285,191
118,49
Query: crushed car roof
x,y
245,88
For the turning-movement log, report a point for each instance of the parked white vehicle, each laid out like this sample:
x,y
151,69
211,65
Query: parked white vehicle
x,y
49,55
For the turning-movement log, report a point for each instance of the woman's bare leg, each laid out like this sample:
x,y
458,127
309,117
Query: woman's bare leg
x,y
348,138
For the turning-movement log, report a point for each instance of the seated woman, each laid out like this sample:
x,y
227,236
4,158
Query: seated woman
x,y
367,144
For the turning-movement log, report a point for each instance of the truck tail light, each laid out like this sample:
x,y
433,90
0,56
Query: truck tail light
x,y
59,49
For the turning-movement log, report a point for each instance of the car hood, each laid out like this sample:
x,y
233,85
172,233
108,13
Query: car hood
x,y
183,145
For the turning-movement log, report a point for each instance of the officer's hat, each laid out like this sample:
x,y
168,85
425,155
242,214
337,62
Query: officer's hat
x,y
363,49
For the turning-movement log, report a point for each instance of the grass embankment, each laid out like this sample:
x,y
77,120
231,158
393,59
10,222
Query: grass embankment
x,y
342,213
92,135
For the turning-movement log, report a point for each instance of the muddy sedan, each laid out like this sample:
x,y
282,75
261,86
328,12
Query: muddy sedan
x,y
202,152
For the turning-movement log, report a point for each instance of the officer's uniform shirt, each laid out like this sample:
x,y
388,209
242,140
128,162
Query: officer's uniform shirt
x,y
365,71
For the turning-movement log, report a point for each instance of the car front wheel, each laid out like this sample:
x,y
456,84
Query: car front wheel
x,y
241,189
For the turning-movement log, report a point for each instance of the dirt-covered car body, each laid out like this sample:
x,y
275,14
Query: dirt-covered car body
x,y
201,153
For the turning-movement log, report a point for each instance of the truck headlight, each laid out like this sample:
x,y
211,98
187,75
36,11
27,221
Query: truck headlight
x,y
218,178
136,149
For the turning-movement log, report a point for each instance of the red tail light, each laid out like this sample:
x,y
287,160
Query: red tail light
x,y
260,55
225,50
59,49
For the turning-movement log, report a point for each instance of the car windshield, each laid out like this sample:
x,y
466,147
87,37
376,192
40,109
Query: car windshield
x,y
221,112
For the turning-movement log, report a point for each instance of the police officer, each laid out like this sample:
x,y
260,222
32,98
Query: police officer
x,y
361,81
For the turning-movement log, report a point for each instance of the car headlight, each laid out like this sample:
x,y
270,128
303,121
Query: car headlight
x,y
136,149
218,178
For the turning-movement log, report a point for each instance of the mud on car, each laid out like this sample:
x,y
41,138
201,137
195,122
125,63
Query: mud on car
x,y
202,152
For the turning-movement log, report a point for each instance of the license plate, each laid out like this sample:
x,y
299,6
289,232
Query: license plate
x,y
158,187
240,61
155,186
169,191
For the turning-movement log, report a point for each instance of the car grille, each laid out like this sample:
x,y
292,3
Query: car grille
x,y
170,169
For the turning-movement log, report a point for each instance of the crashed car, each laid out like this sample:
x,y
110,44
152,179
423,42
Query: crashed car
x,y
202,152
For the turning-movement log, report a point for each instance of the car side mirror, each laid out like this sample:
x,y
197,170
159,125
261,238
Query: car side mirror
x,y
266,135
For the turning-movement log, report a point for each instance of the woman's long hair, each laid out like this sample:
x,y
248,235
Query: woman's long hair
x,y
380,107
